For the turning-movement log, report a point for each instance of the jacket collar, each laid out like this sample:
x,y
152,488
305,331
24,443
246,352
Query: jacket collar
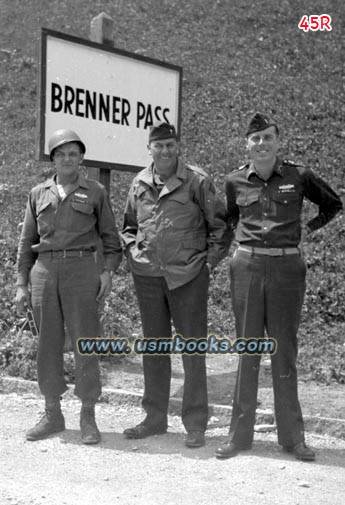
x,y
82,182
277,168
51,184
146,176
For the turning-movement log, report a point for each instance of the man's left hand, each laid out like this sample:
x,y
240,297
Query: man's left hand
x,y
105,286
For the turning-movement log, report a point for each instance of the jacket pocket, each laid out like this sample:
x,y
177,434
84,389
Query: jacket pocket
x,y
285,198
84,208
181,212
180,198
248,205
286,205
82,217
246,200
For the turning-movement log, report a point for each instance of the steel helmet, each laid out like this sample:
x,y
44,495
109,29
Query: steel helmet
x,y
61,137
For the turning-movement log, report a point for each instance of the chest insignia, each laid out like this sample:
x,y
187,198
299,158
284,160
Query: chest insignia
x,y
287,188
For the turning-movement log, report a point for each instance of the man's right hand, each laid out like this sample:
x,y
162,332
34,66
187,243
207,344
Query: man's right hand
x,y
22,299
305,231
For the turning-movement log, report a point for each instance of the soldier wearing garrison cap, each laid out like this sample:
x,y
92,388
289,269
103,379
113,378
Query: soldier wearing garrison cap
x,y
267,273
162,131
66,217
260,122
175,232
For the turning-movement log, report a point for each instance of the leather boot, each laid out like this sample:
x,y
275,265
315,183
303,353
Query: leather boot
x,y
52,422
89,431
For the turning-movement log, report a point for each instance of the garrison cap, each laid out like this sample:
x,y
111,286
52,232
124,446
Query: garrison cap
x,y
260,122
162,131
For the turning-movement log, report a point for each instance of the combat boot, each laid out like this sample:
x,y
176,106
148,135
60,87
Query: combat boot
x,y
52,422
89,432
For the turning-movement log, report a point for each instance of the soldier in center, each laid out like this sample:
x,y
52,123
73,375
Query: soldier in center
x,y
175,232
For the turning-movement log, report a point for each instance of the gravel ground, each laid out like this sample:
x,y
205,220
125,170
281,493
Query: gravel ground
x,y
156,470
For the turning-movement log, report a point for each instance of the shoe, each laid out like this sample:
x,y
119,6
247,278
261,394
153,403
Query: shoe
x,y
52,422
144,430
301,451
89,432
195,439
230,450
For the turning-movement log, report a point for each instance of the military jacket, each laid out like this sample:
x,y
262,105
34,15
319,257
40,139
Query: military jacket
x,y
172,232
76,222
268,213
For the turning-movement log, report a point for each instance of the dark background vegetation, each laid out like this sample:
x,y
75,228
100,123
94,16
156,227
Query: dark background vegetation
x,y
237,57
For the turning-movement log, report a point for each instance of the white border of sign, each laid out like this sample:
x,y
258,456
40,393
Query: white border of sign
x,y
107,95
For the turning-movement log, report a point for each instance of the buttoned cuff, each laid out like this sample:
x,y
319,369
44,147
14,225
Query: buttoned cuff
x,y
112,261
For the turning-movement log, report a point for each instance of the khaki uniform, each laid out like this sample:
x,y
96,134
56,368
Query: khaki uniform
x,y
56,254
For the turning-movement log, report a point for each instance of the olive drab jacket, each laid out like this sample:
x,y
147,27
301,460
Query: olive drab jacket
x,y
77,222
172,232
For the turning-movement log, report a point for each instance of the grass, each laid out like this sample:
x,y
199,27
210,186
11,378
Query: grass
x,y
237,57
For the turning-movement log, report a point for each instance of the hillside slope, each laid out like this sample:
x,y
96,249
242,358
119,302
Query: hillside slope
x,y
237,57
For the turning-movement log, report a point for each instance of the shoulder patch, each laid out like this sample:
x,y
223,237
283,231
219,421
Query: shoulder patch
x,y
199,170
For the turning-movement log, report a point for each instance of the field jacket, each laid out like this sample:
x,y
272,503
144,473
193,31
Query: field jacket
x,y
173,232
77,222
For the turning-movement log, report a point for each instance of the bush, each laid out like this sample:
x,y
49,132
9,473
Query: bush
x,y
249,63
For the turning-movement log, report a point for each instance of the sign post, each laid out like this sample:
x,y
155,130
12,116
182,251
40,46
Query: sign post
x,y
101,31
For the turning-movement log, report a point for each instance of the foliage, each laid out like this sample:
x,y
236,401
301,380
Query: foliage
x,y
19,359
237,58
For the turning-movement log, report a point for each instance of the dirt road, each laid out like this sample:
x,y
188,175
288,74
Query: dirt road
x,y
156,470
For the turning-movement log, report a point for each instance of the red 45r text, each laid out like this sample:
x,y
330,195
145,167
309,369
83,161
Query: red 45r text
x,y
315,23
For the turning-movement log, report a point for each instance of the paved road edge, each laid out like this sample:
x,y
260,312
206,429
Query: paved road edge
x,y
219,414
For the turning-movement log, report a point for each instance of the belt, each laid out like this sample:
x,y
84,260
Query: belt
x,y
269,251
67,253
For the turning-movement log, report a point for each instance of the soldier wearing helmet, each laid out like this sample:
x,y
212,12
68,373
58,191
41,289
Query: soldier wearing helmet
x,y
66,217
61,137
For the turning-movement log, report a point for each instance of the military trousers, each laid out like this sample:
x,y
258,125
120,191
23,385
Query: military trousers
x,y
63,295
186,307
267,295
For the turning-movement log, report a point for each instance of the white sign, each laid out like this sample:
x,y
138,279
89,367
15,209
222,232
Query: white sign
x,y
109,97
